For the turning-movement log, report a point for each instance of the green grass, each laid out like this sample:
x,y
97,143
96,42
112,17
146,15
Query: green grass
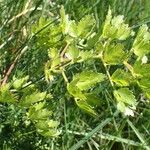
x,y
79,130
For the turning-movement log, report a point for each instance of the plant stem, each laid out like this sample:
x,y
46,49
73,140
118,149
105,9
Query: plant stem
x,y
64,76
107,72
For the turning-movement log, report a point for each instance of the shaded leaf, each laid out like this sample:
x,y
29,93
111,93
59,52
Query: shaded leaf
x,y
86,107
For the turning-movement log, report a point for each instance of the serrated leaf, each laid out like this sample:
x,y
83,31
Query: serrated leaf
x,y
121,77
85,25
72,52
144,84
107,24
115,28
93,100
52,123
54,62
99,47
86,107
92,40
49,133
53,53
48,72
28,100
42,125
85,55
39,25
18,83
46,124
6,96
65,23
121,106
74,90
114,54
39,106
73,29
126,101
87,79
39,114
124,109
82,82
141,45
125,95
141,70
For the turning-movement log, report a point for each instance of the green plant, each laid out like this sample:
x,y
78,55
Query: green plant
x,y
80,44
55,61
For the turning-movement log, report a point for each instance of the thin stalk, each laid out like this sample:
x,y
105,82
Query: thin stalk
x,y
107,72
64,76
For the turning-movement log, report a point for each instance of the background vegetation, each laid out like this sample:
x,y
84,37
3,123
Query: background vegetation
x,y
27,30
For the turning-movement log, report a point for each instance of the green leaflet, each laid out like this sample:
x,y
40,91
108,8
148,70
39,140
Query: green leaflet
x,y
82,28
52,64
49,36
79,29
144,84
122,78
48,72
85,25
32,98
86,107
18,83
115,28
40,117
141,70
121,107
6,96
85,55
87,79
41,114
143,76
126,101
92,99
49,133
114,54
74,90
125,95
39,25
141,45
82,82
65,23
92,40
45,125
73,29
53,53
72,52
